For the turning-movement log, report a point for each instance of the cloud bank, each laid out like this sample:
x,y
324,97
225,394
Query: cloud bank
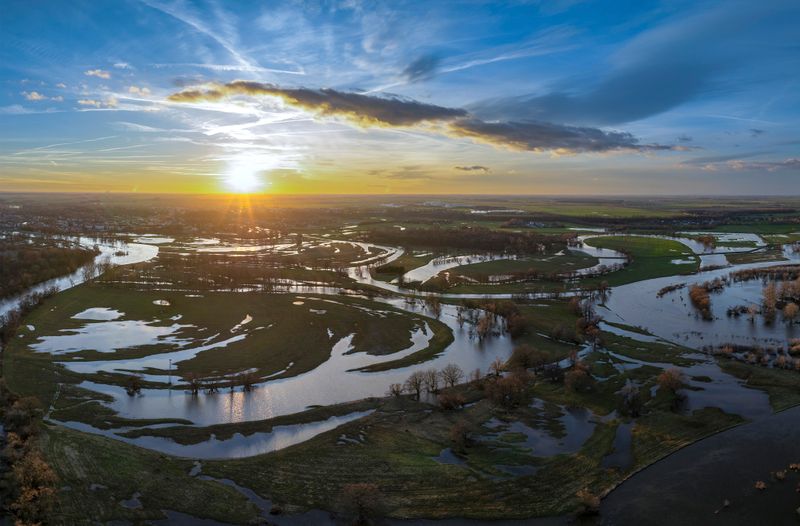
x,y
374,111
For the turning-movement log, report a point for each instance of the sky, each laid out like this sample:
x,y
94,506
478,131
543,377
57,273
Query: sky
x,y
588,97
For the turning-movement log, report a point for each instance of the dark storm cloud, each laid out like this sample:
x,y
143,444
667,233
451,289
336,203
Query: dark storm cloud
x,y
473,168
368,110
423,68
546,136
658,70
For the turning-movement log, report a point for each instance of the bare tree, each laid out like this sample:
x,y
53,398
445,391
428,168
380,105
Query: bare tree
x,y
768,304
395,390
497,367
415,383
133,385
452,374
476,375
194,384
790,311
671,380
431,380
361,502
460,436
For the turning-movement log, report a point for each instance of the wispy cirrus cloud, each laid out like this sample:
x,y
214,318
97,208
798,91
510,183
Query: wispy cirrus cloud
x,y
373,111
695,55
421,68
792,163
200,25
244,68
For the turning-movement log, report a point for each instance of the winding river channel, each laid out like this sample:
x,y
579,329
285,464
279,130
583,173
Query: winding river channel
x,y
668,317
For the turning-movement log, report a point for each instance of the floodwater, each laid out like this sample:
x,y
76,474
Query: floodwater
x,y
437,265
108,336
99,314
577,423
673,318
334,381
621,456
338,380
690,486
239,445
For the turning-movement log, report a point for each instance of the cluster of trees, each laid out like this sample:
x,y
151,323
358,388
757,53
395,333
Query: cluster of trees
x,y
777,273
699,296
11,320
587,326
670,288
492,316
195,384
780,358
707,240
672,381
701,301
28,483
432,381
23,265
783,298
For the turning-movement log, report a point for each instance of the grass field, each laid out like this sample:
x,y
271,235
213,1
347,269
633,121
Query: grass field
x,y
408,261
95,474
650,258
782,386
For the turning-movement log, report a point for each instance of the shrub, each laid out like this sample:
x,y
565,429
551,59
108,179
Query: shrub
x,y
450,401
362,502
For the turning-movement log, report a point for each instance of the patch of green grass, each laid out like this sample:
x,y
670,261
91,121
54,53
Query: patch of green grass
x,y
659,433
656,352
741,258
442,337
81,459
650,258
407,262
297,337
397,455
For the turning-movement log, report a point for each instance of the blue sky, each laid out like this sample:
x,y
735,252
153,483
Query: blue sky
x,y
539,97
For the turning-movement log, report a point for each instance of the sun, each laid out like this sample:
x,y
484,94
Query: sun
x,y
243,178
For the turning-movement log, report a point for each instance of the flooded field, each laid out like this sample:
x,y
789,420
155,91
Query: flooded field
x,y
315,349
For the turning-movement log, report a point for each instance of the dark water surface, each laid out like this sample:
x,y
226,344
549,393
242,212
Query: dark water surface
x,y
688,487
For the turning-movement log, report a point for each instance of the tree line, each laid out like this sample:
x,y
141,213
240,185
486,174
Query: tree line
x,y
23,265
